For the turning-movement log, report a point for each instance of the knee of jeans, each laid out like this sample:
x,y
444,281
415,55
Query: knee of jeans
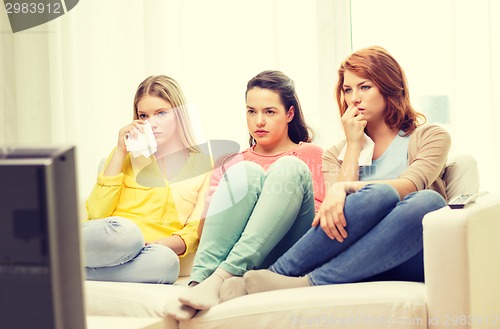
x,y
427,199
382,191
245,169
120,223
113,233
167,264
123,230
290,165
289,162
243,177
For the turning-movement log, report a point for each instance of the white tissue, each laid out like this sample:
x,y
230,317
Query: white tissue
x,y
144,144
366,155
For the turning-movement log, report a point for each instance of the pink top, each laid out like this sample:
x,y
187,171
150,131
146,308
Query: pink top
x,y
311,154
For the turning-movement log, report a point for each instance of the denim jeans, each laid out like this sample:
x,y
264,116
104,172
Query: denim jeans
x,y
114,250
255,216
384,240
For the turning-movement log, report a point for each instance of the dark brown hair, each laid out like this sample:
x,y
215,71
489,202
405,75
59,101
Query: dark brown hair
x,y
277,81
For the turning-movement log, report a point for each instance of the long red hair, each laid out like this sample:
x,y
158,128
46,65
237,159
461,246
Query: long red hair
x,y
376,64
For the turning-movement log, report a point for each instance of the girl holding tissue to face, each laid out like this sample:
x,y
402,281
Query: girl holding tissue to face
x,y
147,203
381,181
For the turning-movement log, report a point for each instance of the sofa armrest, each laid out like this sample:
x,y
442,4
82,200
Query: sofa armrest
x,y
462,265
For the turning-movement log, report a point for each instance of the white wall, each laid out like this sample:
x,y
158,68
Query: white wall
x,y
72,81
450,48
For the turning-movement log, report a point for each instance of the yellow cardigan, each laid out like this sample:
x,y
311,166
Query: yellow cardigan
x,y
159,208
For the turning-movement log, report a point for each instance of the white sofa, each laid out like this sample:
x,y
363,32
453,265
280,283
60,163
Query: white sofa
x,y
462,268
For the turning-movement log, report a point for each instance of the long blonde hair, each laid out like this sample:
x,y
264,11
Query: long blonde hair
x,y
168,89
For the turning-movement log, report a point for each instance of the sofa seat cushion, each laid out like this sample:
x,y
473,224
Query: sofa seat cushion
x,y
371,305
129,299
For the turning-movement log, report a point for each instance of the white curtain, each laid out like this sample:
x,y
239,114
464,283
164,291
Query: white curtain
x,y
72,80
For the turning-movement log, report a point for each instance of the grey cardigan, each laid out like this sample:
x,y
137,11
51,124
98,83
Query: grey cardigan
x,y
427,155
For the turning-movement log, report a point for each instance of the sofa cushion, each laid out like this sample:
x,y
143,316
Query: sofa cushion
x,y
128,299
371,305
461,175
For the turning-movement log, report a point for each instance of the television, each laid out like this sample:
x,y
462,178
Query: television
x,y
41,274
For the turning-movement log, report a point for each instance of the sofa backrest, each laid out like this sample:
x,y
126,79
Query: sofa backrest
x,y
461,175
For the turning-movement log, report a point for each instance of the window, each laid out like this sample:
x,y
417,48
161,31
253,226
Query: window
x,y
450,55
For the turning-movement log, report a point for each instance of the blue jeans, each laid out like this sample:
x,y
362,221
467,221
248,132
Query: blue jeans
x,y
255,216
384,240
114,250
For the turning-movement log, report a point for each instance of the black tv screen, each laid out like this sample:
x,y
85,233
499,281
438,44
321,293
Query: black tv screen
x,y
40,264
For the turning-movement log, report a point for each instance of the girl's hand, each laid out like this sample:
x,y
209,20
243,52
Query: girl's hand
x,y
210,193
354,125
174,242
208,199
129,131
331,214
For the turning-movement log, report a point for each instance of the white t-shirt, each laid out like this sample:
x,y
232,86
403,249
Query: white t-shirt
x,y
390,164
